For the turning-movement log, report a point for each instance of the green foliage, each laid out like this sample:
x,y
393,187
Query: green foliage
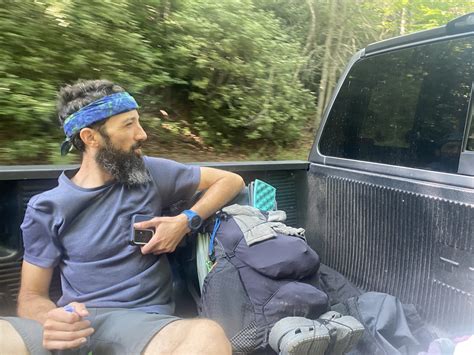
x,y
237,66
48,44
229,72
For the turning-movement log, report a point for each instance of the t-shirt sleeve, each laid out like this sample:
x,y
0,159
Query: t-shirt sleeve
x,y
175,181
40,246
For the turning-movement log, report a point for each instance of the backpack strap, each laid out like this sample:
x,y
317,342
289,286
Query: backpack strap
x,y
217,224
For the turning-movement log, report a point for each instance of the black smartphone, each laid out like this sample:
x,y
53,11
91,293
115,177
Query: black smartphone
x,y
141,236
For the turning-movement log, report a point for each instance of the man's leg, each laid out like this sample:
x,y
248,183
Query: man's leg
x,y
10,341
199,336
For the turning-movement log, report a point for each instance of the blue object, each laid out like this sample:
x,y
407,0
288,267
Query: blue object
x,y
99,110
69,308
263,195
190,213
194,220
213,236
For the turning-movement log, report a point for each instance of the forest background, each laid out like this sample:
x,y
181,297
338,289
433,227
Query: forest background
x,y
223,80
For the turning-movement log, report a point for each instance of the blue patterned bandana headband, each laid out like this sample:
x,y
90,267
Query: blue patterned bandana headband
x,y
96,111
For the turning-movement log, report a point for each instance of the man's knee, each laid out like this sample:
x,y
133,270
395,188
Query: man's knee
x,y
10,341
198,336
212,333
210,327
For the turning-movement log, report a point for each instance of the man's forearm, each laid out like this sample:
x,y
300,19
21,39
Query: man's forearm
x,y
220,187
33,306
217,195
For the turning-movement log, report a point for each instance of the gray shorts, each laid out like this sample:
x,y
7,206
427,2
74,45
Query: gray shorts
x,y
117,331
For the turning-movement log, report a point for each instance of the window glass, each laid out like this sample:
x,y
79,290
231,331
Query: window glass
x,y
9,224
405,108
470,138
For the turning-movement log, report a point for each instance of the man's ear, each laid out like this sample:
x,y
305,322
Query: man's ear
x,y
90,137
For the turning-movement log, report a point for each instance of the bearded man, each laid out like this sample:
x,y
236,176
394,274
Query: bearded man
x,y
116,297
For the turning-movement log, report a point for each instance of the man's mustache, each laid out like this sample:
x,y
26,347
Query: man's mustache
x,y
137,146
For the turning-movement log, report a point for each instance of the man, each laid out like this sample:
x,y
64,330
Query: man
x,y
116,296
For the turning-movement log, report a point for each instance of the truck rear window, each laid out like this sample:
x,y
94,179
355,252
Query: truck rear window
x,y
406,107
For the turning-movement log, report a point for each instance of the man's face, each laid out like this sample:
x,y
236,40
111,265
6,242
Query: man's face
x,y
125,132
120,151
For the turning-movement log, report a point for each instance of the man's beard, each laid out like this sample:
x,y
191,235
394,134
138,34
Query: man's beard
x,y
127,168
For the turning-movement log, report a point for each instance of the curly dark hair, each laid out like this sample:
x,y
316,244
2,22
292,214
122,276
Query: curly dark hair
x,y
72,98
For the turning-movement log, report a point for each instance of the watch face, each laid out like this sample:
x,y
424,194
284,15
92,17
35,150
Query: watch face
x,y
195,222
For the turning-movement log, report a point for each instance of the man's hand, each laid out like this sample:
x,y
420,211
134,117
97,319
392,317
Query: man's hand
x,y
66,330
169,231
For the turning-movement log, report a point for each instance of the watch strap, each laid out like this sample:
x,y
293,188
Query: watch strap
x,y
190,215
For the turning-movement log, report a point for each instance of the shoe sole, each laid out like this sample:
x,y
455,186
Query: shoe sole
x,y
299,336
311,345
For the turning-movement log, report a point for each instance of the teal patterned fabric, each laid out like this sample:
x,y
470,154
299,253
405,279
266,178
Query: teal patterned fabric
x,y
98,110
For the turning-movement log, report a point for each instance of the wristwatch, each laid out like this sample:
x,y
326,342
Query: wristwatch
x,y
194,220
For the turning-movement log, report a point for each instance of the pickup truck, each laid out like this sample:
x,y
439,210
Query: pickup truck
x,y
387,194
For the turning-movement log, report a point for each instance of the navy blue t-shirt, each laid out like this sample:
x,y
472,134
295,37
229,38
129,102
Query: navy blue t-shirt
x,y
87,232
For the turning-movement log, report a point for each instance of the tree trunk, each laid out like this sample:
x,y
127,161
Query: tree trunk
x,y
403,21
326,64
312,29
310,39
334,66
166,9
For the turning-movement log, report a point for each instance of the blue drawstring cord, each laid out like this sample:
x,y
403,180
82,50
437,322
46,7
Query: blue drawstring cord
x,y
213,236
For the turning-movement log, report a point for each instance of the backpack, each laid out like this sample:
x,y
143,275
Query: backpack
x,y
390,326
250,288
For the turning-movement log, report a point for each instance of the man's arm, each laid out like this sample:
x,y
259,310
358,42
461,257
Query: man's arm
x,y
33,298
221,187
62,329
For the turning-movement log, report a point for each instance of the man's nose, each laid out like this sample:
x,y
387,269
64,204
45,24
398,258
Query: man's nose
x,y
140,134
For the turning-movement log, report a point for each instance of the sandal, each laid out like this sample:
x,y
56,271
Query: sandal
x,y
346,329
299,336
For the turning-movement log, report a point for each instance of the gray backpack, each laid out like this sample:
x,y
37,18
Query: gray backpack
x,y
250,288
